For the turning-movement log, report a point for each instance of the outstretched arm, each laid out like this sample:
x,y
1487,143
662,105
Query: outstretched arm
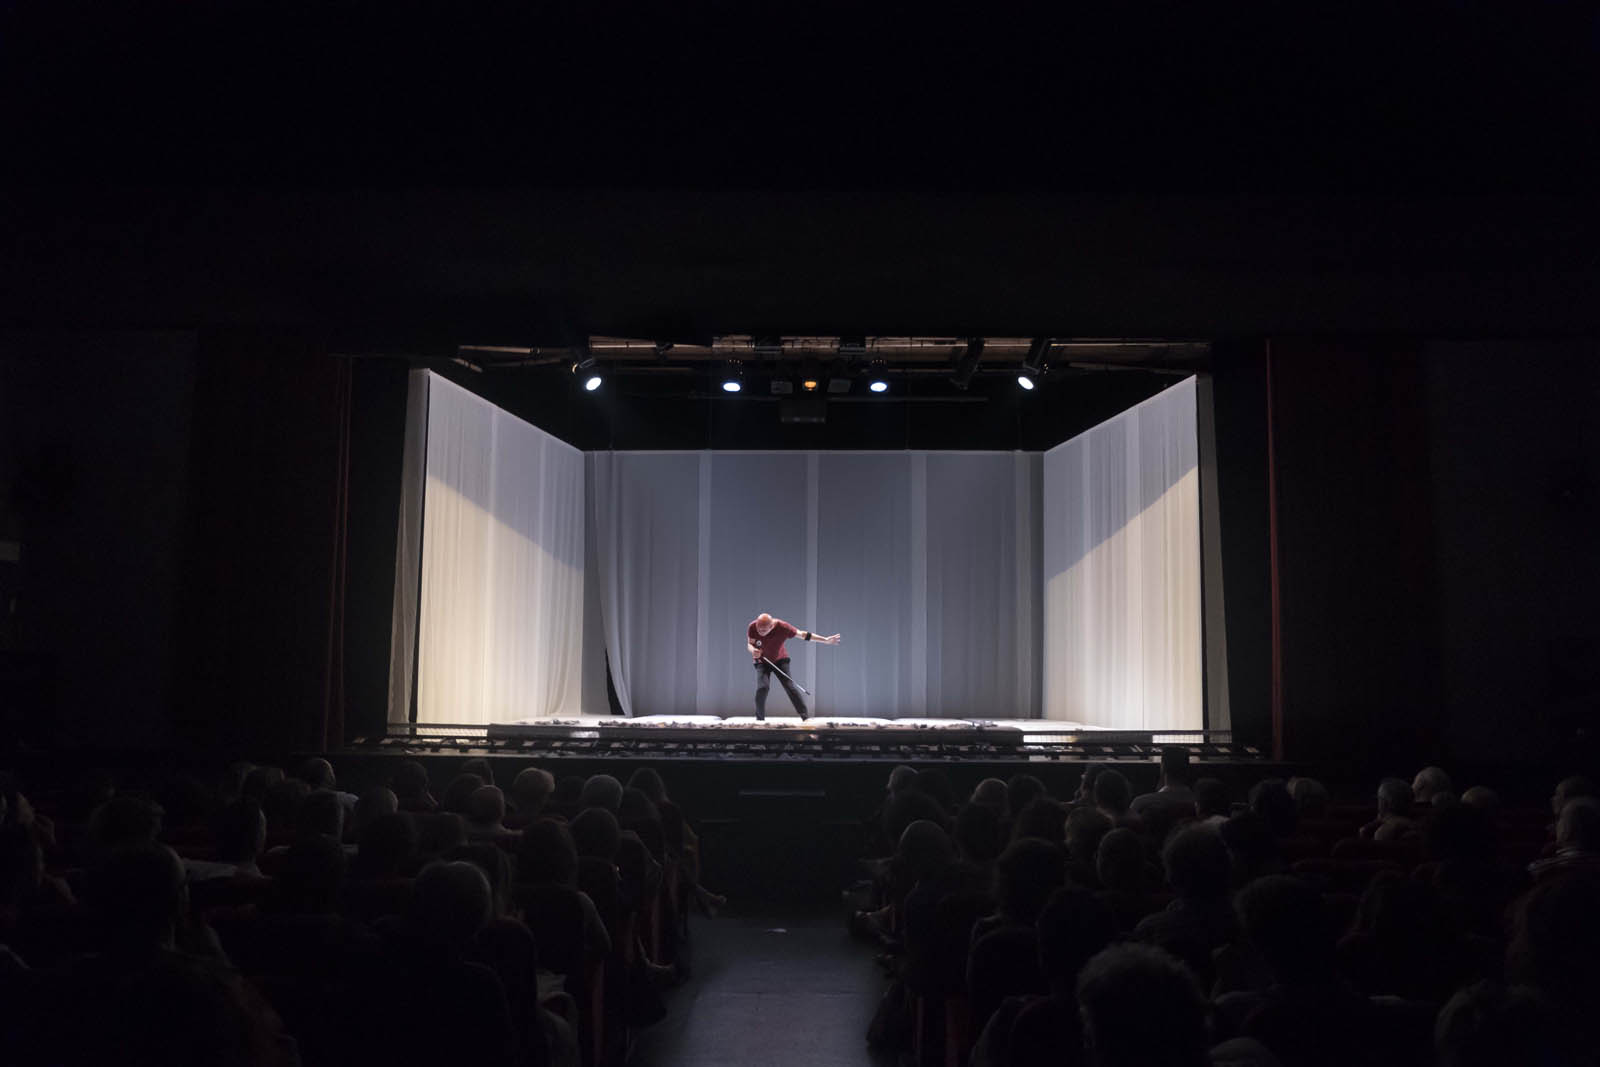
x,y
818,638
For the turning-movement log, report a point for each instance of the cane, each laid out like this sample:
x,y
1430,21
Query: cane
x,y
792,682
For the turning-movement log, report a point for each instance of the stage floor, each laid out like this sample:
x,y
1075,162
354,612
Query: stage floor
x,y
816,722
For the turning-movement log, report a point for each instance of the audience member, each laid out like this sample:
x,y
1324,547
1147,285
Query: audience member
x,y
1112,795
1025,875
601,791
410,785
372,804
1200,919
1310,798
1026,1031
1270,798
1577,840
1492,1025
1084,794
480,767
1140,1008
438,833
240,835
1394,820
1483,798
1570,789
458,794
1086,828
1173,789
1043,818
1555,941
486,812
1305,1015
530,791
320,814
1021,790
991,793
1430,784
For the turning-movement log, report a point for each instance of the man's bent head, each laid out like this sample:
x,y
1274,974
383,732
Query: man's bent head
x,y
764,623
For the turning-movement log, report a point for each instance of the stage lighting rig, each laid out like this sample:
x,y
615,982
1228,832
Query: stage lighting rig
x,y
877,376
1035,363
585,369
810,376
967,363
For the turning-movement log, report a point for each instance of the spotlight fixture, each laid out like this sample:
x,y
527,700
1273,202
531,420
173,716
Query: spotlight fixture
x,y
967,363
1034,364
876,380
810,378
733,377
585,370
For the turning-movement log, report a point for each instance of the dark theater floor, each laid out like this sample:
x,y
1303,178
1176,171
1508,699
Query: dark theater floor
x,y
770,988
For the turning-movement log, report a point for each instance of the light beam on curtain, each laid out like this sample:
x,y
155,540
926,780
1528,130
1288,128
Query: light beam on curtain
x,y
1122,601
500,634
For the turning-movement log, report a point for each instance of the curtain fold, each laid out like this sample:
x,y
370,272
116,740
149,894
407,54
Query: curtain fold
x,y
1121,541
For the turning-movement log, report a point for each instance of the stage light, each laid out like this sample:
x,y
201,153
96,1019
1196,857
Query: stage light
x,y
809,385
591,383
876,381
1034,363
967,363
733,377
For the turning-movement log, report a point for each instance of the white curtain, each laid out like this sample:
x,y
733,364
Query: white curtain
x,y
926,562
500,625
1122,601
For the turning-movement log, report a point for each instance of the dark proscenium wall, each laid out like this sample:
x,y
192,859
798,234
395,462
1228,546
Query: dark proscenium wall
x,y
94,458
1514,459
1360,666
260,575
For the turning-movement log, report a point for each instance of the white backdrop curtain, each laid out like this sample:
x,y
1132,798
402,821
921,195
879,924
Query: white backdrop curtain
x,y
1122,601
499,629
926,561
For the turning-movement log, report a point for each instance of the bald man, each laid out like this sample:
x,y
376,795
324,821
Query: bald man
x,y
764,639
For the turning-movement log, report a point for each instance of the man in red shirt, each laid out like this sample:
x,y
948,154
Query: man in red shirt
x,y
764,638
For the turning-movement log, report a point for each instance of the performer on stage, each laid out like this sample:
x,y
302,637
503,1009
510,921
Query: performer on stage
x,y
764,638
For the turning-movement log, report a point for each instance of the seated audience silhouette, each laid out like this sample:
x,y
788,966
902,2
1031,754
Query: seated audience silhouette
x,y
1140,1008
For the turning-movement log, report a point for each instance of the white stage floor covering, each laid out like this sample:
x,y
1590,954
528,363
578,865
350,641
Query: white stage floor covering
x,y
816,722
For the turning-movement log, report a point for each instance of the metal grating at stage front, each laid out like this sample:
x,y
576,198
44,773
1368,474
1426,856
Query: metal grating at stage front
x,y
820,739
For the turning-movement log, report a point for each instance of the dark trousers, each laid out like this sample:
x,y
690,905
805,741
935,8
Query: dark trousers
x,y
764,675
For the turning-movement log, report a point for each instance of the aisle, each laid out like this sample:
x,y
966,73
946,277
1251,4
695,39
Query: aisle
x,y
779,991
